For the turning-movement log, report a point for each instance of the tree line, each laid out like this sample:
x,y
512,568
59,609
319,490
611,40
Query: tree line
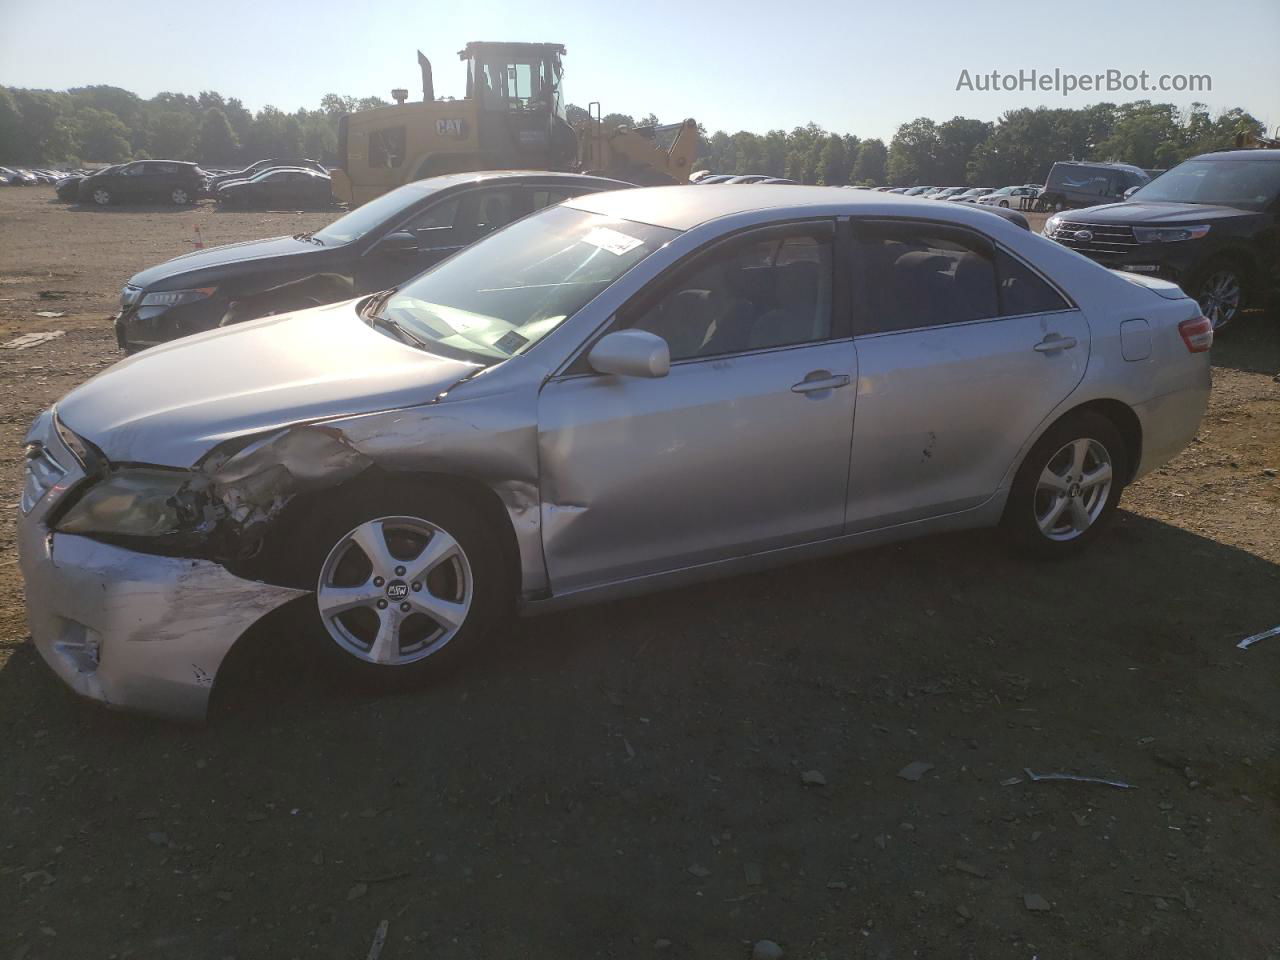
x,y
105,124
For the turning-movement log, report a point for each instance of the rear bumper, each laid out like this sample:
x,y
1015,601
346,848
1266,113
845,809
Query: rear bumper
x,y
1170,422
134,631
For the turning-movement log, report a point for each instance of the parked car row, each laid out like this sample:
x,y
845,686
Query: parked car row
x,y
633,388
265,183
29,176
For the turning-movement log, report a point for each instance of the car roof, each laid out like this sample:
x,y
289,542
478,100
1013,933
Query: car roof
x,y
681,208
1240,155
521,176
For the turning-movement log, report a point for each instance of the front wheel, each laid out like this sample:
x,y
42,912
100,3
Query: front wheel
x,y
1005,204
1220,290
181,196
1068,486
101,196
406,587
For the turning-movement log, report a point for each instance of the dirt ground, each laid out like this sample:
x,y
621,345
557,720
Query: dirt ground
x,y
626,780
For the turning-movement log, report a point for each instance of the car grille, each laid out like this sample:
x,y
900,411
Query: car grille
x,y
1095,237
130,295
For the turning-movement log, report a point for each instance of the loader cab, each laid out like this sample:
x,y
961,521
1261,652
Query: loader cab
x,y
518,92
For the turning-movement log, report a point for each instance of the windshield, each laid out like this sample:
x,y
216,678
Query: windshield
x,y
373,214
1247,184
499,297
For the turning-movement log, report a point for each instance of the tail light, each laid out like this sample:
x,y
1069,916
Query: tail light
x,y
1197,334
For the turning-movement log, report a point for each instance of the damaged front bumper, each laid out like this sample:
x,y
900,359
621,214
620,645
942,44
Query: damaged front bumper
x,y
131,630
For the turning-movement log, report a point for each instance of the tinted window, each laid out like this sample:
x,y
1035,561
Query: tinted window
x,y
436,217
748,294
915,275
1022,291
550,196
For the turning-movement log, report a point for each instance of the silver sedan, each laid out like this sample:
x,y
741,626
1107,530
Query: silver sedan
x,y
625,392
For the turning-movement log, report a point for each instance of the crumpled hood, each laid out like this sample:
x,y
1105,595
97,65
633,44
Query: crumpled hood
x,y
171,404
1153,214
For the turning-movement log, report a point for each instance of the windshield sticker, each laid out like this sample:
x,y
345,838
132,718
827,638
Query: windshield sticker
x,y
510,342
611,240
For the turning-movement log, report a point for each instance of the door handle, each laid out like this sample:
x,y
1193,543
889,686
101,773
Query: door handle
x,y
821,383
1053,342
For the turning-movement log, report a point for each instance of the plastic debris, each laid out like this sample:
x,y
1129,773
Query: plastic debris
x,y
379,940
915,770
1248,642
31,340
51,314
1037,777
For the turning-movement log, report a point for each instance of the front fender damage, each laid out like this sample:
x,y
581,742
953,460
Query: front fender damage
x,y
241,489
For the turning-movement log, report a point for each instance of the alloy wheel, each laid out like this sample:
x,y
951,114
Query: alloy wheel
x,y
179,196
395,590
101,197
1220,297
1073,489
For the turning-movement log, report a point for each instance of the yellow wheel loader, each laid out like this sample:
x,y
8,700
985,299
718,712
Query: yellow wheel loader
x,y
512,117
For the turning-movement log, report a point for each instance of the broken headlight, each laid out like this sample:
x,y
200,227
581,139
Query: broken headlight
x,y
130,502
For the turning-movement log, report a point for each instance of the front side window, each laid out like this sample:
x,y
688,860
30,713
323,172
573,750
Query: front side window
x,y
386,147
374,214
499,297
762,290
517,85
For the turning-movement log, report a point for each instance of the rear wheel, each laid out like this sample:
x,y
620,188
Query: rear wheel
x,y
1005,204
1068,486
405,585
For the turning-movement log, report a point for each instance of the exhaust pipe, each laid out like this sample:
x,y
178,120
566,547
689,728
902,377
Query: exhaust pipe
x,y
428,88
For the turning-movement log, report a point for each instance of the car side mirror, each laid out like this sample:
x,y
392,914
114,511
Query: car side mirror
x,y
400,243
631,353
1130,192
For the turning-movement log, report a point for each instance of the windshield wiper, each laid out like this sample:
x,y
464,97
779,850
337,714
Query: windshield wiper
x,y
376,320
308,238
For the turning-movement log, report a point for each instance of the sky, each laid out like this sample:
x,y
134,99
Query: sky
x,y
851,66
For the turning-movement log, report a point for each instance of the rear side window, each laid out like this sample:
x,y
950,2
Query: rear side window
x,y
1022,291
918,275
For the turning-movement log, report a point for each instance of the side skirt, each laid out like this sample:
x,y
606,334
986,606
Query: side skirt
x,y
986,515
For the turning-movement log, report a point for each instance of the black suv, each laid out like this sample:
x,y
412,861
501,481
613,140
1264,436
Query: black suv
x,y
1072,183
1210,225
166,181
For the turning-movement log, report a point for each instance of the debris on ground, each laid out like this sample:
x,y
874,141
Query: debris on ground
x,y
1248,642
971,869
357,891
379,940
51,314
1033,901
699,871
1037,777
915,770
28,340
813,778
766,950
753,873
